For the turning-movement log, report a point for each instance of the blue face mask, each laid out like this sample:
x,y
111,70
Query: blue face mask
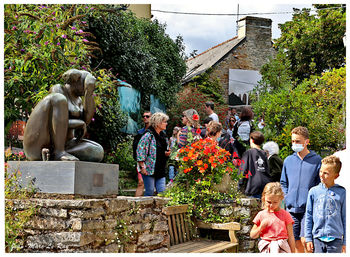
x,y
297,147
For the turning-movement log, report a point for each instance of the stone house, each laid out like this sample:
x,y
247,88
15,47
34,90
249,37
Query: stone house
x,y
237,61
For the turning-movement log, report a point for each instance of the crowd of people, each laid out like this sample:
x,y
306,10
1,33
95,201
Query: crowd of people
x,y
303,208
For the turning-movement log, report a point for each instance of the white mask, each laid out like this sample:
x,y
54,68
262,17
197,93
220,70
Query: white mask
x,y
297,147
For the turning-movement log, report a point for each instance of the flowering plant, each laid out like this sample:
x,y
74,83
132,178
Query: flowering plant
x,y
204,159
203,166
13,156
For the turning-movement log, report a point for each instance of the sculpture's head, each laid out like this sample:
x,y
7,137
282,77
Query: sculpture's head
x,y
79,80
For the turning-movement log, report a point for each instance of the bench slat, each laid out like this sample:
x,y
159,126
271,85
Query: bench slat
x,y
188,229
188,246
170,210
176,238
182,221
202,246
216,247
179,228
223,226
171,233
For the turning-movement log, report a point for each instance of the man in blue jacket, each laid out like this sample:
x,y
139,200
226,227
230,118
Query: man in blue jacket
x,y
300,172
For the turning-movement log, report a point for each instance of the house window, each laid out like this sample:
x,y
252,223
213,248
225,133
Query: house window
x,y
241,83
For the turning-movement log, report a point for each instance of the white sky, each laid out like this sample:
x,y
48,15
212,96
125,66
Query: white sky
x,y
202,32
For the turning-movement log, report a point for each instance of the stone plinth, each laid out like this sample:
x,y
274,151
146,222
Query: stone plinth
x,y
69,177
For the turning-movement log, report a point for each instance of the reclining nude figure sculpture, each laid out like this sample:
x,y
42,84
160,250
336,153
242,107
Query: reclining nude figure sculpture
x,y
58,123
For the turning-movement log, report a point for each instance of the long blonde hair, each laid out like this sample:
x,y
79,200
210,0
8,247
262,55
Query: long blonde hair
x,y
272,188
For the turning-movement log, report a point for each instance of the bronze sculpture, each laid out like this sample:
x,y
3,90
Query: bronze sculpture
x,y
58,122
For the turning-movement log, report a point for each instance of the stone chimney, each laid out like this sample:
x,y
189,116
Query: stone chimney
x,y
255,28
258,40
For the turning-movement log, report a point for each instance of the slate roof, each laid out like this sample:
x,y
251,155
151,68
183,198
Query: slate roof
x,y
209,58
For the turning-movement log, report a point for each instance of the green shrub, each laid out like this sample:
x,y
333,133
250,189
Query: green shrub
x,y
16,218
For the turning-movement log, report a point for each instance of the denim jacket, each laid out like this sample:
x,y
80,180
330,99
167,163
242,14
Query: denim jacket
x,y
147,151
325,213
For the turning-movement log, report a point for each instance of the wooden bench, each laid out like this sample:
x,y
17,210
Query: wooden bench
x,y
181,233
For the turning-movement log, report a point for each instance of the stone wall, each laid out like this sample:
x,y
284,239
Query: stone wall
x,y
243,211
114,225
246,210
120,224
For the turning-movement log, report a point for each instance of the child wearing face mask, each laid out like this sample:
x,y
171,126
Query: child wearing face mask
x,y
300,172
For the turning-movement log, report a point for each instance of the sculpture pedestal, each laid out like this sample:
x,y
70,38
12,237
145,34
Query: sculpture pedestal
x,y
69,177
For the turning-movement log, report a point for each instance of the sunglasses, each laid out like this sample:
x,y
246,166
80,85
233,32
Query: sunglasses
x,y
146,116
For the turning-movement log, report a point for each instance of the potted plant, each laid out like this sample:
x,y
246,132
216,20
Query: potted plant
x,y
203,167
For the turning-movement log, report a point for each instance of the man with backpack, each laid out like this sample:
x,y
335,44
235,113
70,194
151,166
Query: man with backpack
x,y
243,128
146,118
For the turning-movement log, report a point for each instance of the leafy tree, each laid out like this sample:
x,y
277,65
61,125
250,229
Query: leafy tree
x,y
275,74
304,85
141,53
314,43
318,104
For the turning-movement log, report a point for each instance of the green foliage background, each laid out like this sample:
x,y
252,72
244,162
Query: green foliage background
x,y
141,53
305,84
313,43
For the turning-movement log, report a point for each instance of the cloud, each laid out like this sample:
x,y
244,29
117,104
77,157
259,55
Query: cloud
x,y
203,32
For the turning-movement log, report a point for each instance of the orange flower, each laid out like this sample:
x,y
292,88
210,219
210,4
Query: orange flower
x,y
214,164
199,162
205,166
211,159
185,159
187,170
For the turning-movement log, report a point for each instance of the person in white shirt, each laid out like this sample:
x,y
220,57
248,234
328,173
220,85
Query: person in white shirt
x,y
209,109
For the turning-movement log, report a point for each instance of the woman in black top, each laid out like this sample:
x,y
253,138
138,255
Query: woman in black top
x,y
152,154
275,162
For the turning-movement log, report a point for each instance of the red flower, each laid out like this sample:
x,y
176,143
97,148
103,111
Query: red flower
x,y
195,117
198,131
248,174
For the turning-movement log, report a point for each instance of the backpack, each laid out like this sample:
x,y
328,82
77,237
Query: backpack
x,y
136,142
244,128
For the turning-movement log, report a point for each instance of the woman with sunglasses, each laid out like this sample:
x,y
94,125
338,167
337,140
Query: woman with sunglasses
x,y
191,131
153,154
